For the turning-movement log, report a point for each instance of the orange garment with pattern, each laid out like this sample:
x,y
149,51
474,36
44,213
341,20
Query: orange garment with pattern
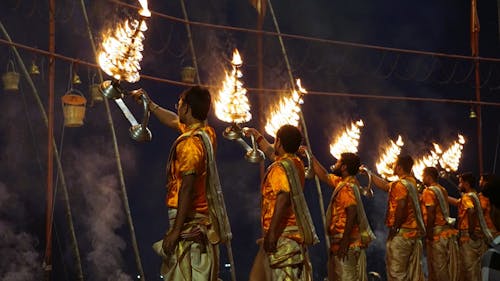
x,y
344,198
275,182
486,206
190,158
397,191
429,198
465,203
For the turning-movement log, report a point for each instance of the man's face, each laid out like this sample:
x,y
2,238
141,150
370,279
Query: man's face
x,y
337,169
462,184
426,179
276,145
482,182
181,110
395,169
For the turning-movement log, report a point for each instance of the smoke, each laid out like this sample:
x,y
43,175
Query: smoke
x,y
19,259
103,214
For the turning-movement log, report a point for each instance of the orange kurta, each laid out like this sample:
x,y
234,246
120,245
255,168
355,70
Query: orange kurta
x,y
464,204
397,191
486,206
275,182
344,198
429,199
190,158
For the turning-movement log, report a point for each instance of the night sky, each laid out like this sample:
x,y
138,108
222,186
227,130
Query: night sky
x,y
87,152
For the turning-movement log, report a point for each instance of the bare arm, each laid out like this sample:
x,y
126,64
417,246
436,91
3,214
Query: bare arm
x,y
165,116
380,182
431,218
320,171
453,201
352,213
262,143
185,205
282,205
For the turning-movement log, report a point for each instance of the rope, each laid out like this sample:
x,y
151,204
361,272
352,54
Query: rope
x,y
308,38
269,90
304,127
117,155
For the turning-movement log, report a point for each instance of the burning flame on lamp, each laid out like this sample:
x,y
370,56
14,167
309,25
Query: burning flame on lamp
x,y
287,111
391,152
231,104
450,160
429,160
348,141
121,55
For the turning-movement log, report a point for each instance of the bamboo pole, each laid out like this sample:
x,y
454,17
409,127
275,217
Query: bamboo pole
x,y
69,216
126,206
304,126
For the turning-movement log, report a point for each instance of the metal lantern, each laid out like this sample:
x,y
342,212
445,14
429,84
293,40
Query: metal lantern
x,y
73,103
10,78
95,93
34,69
188,74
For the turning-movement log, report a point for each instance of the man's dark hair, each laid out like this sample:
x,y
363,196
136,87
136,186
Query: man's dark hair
x,y
469,178
290,137
431,172
405,162
352,162
198,99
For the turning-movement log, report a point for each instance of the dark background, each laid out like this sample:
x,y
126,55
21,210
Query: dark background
x,y
87,152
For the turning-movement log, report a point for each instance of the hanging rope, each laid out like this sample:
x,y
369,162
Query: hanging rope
x,y
130,222
303,123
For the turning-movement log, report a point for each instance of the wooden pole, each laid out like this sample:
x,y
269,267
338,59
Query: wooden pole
x,y
474,33
50,151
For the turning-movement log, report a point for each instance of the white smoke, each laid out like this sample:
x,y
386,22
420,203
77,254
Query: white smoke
x,y
103,214
19,261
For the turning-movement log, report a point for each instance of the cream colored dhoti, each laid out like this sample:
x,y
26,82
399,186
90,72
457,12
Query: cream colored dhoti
x,y
470,256
289,263
403,259
194,257
442,258
352,268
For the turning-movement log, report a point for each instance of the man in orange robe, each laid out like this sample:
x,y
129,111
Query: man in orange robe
x,y
198,222
348,226
441,242
285,219
405,222
473,229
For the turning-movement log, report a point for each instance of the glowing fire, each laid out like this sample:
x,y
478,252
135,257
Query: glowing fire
x,y
384,165
121,49
348,141
287,111
429,160
231,103
450,160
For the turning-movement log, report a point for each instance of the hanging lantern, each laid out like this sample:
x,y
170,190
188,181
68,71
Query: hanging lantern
x,y
188,73
76,79
73,103
95,94
10,78
34,69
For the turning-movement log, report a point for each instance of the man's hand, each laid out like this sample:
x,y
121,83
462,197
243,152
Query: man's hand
x,y
170,240
343,248
136,95
473,236
392,232
270,242
251,132
302,150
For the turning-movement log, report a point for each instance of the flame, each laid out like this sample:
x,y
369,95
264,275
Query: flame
x,y
429,160
348,141
121,49
144,11
450,160
231,103
287,111
391,152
